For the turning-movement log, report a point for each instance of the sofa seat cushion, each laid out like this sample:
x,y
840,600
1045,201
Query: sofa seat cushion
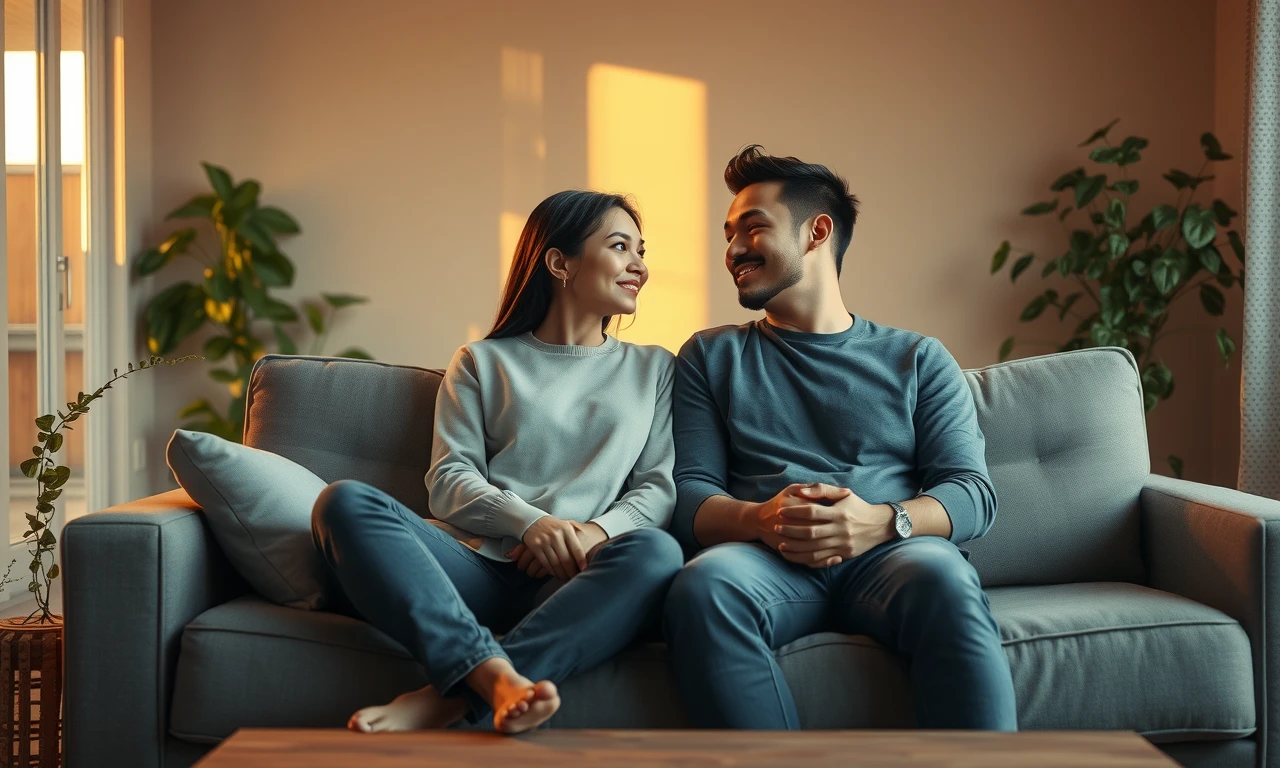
x,y
1112,656
1084,656
250,663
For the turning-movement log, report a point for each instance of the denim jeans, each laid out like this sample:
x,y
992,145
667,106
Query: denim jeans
x,y
443,602
735,604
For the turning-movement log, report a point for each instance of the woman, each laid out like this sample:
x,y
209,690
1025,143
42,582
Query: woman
x,y
552,458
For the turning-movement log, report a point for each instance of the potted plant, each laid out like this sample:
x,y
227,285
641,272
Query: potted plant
x,y
1117,281
31,646
235,294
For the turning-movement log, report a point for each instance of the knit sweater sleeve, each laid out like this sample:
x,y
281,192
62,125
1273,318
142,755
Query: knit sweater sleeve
x,y
457,480
651,493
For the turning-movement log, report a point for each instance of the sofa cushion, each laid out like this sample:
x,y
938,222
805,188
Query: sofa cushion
x,y
1067,452
1083,656
258,505
1112,656
347,419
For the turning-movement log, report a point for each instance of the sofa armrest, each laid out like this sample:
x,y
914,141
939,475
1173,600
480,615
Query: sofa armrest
x,y
1221,547
134,576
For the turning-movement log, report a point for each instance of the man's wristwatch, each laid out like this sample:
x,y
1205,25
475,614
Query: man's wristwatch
x,y
901,521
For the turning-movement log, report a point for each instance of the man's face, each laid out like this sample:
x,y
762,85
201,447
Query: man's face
x,y
764,256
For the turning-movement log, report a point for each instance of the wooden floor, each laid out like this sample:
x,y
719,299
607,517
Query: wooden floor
x,y
630,749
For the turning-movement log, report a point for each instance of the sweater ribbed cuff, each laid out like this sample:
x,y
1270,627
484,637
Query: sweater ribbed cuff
x,y
513,517
622,516
958,503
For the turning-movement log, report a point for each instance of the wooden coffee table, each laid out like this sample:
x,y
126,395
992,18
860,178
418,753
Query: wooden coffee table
x,y
803,749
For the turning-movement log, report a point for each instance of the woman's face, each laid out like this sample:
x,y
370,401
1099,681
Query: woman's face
x,y
608,276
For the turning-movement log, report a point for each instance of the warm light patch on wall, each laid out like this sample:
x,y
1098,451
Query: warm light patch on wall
x,y
117,151
524,149
647,136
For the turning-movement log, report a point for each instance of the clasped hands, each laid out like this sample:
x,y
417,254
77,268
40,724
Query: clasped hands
x,y
555,547
821,525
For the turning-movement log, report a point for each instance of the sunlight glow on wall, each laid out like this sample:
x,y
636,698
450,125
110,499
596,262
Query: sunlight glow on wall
x,y
647,137
524,149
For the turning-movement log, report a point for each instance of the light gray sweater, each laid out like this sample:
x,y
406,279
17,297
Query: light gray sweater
x,y
526,429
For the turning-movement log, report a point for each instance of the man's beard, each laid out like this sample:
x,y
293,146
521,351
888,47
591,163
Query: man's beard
x,y
758,298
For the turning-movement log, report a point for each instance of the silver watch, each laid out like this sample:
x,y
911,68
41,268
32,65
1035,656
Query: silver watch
x,y
901,521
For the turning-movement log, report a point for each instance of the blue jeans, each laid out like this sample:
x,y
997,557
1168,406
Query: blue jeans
x,y
442,601
734,604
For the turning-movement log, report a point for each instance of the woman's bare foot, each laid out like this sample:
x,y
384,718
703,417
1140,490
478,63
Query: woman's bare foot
x,y
417,710
518,703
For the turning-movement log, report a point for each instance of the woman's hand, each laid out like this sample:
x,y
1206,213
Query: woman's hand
x,y
590,537
552,544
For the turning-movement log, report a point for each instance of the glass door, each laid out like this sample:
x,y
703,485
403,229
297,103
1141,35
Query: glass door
x,y
44,237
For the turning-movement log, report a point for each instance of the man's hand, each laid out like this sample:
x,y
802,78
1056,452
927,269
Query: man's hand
x,y
590,536
554,545
816,535
764,518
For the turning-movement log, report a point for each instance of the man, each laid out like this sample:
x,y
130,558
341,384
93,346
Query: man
x,y
826,467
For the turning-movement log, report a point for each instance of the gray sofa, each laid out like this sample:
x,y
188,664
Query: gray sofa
x,y
1126,600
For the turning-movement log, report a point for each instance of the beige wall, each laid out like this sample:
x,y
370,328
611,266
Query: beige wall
x,y
379,125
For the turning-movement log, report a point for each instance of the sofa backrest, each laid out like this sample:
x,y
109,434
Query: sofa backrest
x,y
1066,448
1067,452
347,419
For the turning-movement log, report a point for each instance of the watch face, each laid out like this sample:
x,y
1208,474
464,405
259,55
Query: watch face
x,y
903,524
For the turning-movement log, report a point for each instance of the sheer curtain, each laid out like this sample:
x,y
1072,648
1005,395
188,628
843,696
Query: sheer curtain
x,y
1260,396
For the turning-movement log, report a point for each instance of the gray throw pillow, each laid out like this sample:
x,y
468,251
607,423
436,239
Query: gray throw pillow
x,y
258,505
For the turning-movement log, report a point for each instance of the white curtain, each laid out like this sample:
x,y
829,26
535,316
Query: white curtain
x,y
1260,396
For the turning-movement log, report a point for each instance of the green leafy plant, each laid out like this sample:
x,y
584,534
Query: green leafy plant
x,y
50,477
235,294
1116,282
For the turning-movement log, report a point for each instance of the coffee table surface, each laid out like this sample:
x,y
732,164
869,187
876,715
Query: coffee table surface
x,y
317,748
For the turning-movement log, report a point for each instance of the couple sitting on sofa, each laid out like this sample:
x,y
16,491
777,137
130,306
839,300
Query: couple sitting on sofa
x,y
823,467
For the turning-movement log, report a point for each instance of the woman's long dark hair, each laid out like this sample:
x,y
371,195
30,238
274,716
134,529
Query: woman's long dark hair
x,y
563,221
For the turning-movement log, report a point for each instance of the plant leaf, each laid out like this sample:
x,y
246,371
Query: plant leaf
x,y
53,571
1001,255
1223,213
314,317
1197,226
1005,348
1125,186
1212,299
1179,179
1237,245
1115,214
1040,208
340,300
224,376
1020,266
220,180
55,442
273,268
1226,347
1175,464
1088,189
245,195
1066,305
1117,244
1067,180
1164,216
1212,149
198,207
31,467
1034,309
218,285
354,353
56,477
1100,133
45,422
1210,259
257,235
1105,155
276,221
1165,273
198,407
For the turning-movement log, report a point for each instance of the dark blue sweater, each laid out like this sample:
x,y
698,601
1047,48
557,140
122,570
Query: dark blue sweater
x,y
883,412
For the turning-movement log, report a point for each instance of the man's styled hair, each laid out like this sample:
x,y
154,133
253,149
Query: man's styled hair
x,y
807,190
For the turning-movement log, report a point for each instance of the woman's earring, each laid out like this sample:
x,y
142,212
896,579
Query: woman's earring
x,y
565,282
